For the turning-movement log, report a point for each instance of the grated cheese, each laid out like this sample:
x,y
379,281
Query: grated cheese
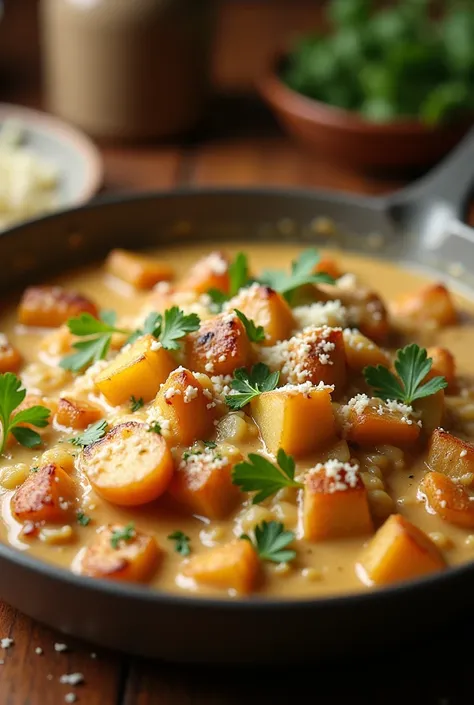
x,y
328,313
190,393
344,475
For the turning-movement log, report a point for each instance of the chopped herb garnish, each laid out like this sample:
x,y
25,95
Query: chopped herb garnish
x,y
302,272
412,365
257,474
210,444
92,434
12,394
151,326
256,334
218,299
97,336
238,278
35,468
181,542
125,534
154,427
83,519
135,404
169,328
271,541
248,385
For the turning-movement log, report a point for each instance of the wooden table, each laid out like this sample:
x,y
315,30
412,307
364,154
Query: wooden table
x,y
239,145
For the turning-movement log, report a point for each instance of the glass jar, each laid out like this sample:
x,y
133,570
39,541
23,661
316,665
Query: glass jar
x,y
127,68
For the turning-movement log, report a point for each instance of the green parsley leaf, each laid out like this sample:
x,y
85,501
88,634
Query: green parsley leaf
x,y
412,365
125,534
271,540
35,468
210,444
12,393
154,427
176,325
256,334
302,272
82,518
238,278
182,542
151,325
97,336
257,474
136,404
247,385
92,434
218,299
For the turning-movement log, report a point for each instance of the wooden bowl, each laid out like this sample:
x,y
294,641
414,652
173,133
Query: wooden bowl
x,y
343,136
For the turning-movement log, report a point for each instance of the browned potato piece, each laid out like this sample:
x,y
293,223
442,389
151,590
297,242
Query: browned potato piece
x,y
209,272
366,308
49,494
233,566
187,406
317,355
51,306
431,410
399,551
133,559
368,428
10,358
266,308
136,371
78,414
202,482
335,502
447,498
361,351
443,365
219,346
299,420
141,271
431,306
58,342
329,266
451,456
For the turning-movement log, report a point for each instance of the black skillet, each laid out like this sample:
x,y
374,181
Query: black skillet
x,y
421,225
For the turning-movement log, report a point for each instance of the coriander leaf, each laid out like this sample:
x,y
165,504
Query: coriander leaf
x,y
210,444
176,325
12,395
26,436
151,325
125,534
218,299
302,272
82,518
256,334
412,365
182,542
238,273
92,434
97,336
109,317
257,474
86,324
270,541
246,386
136,404
154,427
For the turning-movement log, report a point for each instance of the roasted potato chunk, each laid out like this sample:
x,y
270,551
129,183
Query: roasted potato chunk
x,y
317,355
141,271
51,306
130,466
335,502
447,498
443,365
266,308
328,265
298,419
58,342
361,352
209,272
187,405
10,357
431,412
366,309
133,559
202,482
75,413
451,456
374,422
233,566
136,371
219,346
431,306
399,551
48,494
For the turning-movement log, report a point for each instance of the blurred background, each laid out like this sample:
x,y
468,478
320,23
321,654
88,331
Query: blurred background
x,y
345,93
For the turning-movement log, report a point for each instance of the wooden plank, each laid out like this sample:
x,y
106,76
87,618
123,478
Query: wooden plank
x,y
29,678
145,168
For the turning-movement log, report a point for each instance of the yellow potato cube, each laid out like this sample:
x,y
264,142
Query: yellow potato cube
x,y
233,566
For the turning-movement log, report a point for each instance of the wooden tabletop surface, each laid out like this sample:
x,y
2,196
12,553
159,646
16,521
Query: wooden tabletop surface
x,y
239,144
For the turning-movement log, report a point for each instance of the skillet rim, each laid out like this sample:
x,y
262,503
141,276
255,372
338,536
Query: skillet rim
x,y
133,591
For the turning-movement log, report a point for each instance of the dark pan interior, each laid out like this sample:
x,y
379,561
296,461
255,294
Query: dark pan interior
x,y
177,628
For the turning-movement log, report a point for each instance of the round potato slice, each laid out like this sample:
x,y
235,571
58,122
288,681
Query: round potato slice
x,y
130,466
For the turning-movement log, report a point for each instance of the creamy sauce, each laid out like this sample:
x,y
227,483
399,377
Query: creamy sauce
x,y
322,568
